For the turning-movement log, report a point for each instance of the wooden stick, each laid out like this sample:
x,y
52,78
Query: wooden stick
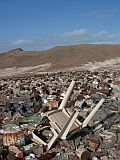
x,y
89,117
67,95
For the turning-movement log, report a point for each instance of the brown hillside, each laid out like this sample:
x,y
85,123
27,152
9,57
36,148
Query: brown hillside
x,y
60,57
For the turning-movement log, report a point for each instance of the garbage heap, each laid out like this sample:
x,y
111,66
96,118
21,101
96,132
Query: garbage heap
x,y
60,116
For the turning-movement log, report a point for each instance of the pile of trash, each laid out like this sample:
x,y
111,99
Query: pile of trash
x,y
60,116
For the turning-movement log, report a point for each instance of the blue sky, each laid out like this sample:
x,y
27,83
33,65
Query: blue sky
x,y
42,24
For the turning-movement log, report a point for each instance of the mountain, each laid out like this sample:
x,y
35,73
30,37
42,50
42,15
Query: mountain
x,y
60,57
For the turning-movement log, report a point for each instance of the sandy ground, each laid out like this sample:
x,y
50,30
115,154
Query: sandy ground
x,y
107,64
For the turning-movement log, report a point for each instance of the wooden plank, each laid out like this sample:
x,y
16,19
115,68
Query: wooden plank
x,y
68,125
89,117
67,95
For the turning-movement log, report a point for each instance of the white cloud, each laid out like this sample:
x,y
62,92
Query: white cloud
x,y
22,42
108,12
84,35
102,13
80,32
79,36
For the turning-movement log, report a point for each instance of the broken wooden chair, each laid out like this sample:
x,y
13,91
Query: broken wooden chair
x,y
62,122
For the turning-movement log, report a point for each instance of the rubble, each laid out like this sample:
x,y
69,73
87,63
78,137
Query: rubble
x,y
64,115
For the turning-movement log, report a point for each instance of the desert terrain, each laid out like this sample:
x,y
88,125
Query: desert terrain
x,y
60,58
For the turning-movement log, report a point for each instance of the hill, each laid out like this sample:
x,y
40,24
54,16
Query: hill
x,y
60,57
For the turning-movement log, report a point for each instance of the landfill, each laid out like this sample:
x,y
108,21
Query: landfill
x,y
72,115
